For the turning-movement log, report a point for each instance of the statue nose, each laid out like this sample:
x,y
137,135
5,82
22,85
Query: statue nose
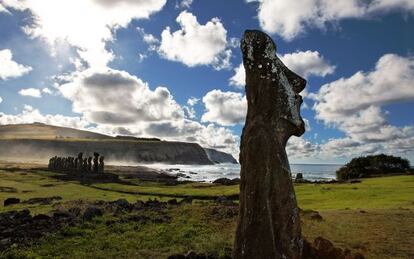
x,y
299,85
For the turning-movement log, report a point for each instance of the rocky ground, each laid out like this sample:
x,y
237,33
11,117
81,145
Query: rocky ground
x,y
20,228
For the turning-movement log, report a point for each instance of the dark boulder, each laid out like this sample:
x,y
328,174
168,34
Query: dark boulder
x,y
324,249
227,181
92,212
224,200
122,204
11,201
41,217
172,202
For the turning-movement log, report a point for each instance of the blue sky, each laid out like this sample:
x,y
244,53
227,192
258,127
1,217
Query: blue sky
x,y
172,69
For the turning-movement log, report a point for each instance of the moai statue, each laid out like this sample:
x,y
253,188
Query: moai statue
x,y
49,166
79,162
84,165
54,165
72,163
101,168
90,164
268,224
59,163
95,162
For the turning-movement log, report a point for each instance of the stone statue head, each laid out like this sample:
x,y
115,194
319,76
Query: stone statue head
x,y
266,73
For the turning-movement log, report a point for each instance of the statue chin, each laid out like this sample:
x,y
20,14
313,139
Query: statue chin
x,y
299,130
295,129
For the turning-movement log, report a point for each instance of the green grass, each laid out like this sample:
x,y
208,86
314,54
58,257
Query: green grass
x,y
374,217
188,189
41,184
373,193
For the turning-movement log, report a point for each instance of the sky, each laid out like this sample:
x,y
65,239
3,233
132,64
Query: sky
x,y
173,69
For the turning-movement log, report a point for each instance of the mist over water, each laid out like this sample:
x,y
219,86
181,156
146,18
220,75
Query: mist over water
x,y
209,173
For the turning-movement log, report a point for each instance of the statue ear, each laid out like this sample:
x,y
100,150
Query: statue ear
x,y
297,82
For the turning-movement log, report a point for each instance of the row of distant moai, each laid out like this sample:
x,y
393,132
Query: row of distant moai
x,y
79,164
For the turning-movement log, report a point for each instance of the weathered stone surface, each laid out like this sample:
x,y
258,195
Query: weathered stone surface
x,y
268,224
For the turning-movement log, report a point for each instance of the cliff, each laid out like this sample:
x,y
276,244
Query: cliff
x,y
219,157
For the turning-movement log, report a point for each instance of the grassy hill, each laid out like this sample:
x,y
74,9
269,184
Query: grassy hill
x,y
44,131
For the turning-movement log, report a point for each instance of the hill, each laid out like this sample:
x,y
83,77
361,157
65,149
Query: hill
x,y
44,131
39,142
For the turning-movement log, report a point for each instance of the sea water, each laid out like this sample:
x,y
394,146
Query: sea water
x,y
209,173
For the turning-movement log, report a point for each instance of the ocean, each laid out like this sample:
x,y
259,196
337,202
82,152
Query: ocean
x,y
209,173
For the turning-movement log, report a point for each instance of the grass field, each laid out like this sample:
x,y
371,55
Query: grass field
x,y
374,217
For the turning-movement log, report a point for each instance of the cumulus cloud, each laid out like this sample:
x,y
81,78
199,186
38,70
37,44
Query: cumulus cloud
x,y
1,99
193,101
3,9
87,25
304,63
355,106
32,92
116,97
291,18
196,44
10,68
307,63
189,108
47,91
300,148
147,37
360,96
238,80
224,108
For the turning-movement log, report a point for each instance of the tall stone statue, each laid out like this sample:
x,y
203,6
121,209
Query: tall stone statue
x,y
268,224
101,168
95,162
79,162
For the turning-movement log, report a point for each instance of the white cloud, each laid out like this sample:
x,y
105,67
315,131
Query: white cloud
x,y
115,97
346,101
10,68
147,37
239,78
3,9
32,92
189,110
87,25
291,18
355,106
195,44
47,91
193,101
307,63
300,148
224,108
1,99
186,3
